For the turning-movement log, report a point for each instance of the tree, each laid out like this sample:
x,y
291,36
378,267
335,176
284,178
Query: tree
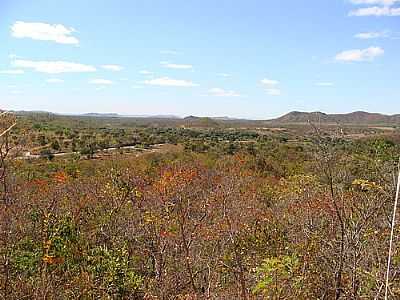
x,y
7,123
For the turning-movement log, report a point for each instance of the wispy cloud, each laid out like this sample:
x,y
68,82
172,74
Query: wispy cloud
x,y
372,35
53,67
271,87
325,84
101,81
169,52
375,2
379,8
16,92
274,92
224,75
358,55
169,65
12,72
114,68
218,92
166,81
269,82
44,32
376,11
54,80
145,72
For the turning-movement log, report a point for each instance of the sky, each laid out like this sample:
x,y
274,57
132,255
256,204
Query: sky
x,y
253,59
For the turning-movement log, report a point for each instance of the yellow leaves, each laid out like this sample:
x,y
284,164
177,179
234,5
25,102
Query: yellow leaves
x,y
366,185
47,245
138,194
149,218
299,184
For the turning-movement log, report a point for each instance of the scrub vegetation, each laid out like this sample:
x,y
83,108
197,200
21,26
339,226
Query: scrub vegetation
x,y
195,209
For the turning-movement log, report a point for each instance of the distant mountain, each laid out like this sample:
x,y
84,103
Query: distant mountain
x,y
102,115
32,112
200,121
37,114
225,119
302,117
163,117
115,115
152,116
358,117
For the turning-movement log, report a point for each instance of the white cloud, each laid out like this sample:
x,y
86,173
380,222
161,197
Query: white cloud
x,y
377,11
224,75
218,92
16,92
101,81
169,52
53,67
145,72
327,84
166,81
44,32
273,92
269,82
114,68
176,66
12,72
54,80
271,87
372,35
360,54
375,2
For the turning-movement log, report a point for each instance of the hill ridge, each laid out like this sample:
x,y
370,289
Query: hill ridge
x,y
356,117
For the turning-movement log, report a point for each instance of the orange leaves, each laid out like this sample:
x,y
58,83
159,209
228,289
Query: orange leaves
x,y
167,234
40,182
60,177
173,179
52,260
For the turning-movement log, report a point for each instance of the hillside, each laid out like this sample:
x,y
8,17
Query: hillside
x,y
358,117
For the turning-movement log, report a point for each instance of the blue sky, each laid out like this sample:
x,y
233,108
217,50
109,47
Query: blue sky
x,y
253,58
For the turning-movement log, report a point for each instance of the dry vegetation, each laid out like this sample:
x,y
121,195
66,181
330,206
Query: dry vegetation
x,y
282,216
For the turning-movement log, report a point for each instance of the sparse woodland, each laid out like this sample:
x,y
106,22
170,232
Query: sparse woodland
x,y
261,220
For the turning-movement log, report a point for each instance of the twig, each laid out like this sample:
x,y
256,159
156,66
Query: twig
x,y
391,235
8,129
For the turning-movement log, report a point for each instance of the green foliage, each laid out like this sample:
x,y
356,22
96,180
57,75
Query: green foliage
x,y
275,274
62,235
113,270
55,145
26,257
